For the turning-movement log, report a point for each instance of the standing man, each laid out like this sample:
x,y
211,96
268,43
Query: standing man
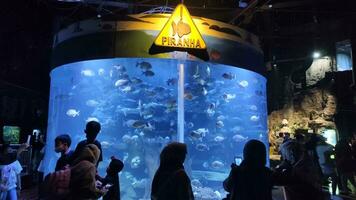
x,y
91,131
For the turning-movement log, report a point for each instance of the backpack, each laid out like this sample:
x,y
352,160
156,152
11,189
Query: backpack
x,y
56,185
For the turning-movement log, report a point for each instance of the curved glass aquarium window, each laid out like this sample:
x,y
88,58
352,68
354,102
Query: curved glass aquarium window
x,y
136,102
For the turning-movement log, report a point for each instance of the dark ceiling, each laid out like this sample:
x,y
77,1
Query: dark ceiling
x,y
288,29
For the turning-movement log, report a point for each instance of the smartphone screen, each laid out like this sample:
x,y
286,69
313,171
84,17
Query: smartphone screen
x,y
238,160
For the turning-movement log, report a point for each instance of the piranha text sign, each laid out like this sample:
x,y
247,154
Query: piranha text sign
x,y
180,31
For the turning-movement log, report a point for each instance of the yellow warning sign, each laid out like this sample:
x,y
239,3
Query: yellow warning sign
x,y
180,31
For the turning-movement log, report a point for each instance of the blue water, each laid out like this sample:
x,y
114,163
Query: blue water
x,y
135,100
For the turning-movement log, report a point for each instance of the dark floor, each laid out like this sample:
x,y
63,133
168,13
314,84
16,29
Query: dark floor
x,y
31,194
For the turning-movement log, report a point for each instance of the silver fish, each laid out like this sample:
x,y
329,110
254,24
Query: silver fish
x,y
219,124
121,82
202,147
239,138
87,72
217,164
73,112
243,84
254,118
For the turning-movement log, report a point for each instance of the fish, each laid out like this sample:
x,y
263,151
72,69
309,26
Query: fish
x,y
196,74
127,111
135,162
119,68
136,80
243,84
229,76
171,105
172,81
205,164
217,164
228,97
254,118
199,133
204,91
239,138
211,109
145,66
126,138
121,82
87,72
101,71
188,96
221,117
72,112
89,119
219,124
253,107
152,105
91,103
219,138
105,144
148,127
190,125
180,28
139,183
208,71
127,89
148,73
196,183
202,147
236,129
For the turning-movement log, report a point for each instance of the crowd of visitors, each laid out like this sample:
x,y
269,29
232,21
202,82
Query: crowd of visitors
x,y
306,166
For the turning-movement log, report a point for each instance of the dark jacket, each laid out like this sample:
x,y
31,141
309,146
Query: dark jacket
x,y
63,161
170,181
81,145
246,183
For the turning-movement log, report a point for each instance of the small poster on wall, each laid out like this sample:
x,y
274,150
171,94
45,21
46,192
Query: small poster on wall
x,y
11,134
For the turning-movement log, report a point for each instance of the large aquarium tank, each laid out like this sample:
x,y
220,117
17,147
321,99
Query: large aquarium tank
x,y
135,100
103,71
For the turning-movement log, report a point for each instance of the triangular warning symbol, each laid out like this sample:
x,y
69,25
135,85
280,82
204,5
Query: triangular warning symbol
x,y
180,31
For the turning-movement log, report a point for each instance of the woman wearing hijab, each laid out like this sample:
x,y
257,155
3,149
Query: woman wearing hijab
x,y
171,181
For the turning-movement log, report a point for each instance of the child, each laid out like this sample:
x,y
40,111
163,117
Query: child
x,y
111,180
62,145
10,169
91,131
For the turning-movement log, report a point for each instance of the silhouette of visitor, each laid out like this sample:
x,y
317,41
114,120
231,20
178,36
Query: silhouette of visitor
x,y
171,181
304,172
251,180
91,131
111,180
62,145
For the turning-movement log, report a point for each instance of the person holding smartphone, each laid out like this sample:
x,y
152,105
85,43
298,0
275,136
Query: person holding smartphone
x,y
111,181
